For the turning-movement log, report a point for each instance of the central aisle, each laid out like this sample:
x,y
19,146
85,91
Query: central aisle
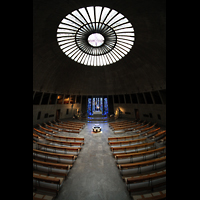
x,y
94,175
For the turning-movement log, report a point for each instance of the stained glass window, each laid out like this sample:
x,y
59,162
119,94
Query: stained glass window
x,y
105,106
89,106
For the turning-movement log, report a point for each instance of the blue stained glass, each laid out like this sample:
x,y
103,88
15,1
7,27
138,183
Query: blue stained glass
x,y
105,106
101,104
96,104
93,104
89,106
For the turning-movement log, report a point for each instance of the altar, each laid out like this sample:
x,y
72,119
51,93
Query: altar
x,y
97,112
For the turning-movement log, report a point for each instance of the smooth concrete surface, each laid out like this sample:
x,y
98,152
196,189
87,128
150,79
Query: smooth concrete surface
x,y
94,175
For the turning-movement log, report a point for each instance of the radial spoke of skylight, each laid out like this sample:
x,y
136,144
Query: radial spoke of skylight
x,y
84,13
120,54
76,54
113,58
117,23
123,47
64,42
67,44
106,60
124,30
71,23
74,19
114,55
91,13
83,58
67,27
86,59
98,12
79,16
125,44
69,49
116,19
121,50
104,13
110,16
122,26
64,38
62,35
101,58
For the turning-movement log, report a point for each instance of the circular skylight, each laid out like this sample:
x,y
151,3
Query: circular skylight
x,y
95,36
96,39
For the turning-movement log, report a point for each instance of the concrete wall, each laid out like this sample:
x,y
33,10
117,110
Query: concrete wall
x,y
144,109
51,109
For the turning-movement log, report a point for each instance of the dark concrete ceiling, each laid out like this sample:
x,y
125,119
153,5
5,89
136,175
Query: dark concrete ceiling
x,y
142,69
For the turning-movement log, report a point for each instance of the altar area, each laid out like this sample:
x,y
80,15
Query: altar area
x,y
97,112
97,106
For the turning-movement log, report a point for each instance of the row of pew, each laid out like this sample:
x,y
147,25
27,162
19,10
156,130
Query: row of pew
x,y
142,128
141,160
53,158
70,127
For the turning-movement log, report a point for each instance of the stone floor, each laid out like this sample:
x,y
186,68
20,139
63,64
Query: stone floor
x,y
94,175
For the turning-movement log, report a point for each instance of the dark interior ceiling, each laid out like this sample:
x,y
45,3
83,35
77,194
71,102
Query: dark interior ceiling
x,y
142,69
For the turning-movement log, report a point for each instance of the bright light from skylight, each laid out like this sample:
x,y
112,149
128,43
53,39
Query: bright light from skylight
x,y
95,36
96,39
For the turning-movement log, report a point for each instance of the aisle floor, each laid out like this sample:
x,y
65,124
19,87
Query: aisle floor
x,y
94,175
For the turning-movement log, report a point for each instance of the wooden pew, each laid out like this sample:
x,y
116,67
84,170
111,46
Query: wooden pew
x,y
59,155
137,150
66,142
40,126
127,127
38,136
65,129
47,179
123,124
132,146
143,163
162,139
150,132
139,127
54,128
66,149
119,143
42,132
144,177
42,196
142,153
159,134
122,138
70,125
153,196
126,124
56,165
46,129
68,138
150,188
72,122
145,129
111,124
50,165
